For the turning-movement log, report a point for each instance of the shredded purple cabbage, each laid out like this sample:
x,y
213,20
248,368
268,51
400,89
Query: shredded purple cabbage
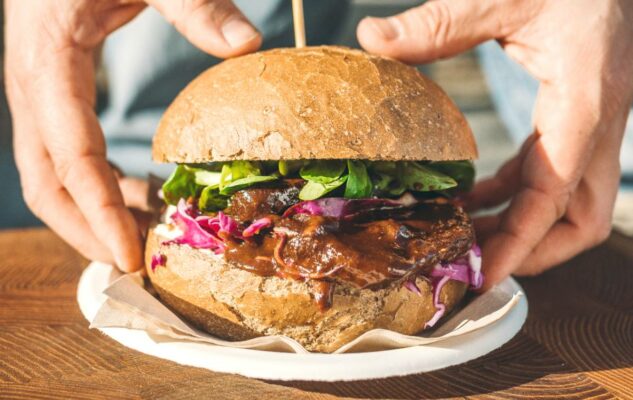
x,y
342,208
466,269
158,260
203,232
412,287
256,227
194,234
228,226
440,308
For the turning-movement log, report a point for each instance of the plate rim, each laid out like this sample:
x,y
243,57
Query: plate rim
x,y
306,367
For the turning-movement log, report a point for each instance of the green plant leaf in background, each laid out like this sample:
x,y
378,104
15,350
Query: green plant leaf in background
x,y
358,184
313,190
418,177
180,184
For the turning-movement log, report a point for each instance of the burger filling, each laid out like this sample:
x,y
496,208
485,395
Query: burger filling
x,y
365,223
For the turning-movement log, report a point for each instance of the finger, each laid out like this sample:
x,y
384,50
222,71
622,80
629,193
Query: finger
x,y
550,172
590,210
439,28
119,15
485,227
43,193
143,219
215,26
71,133
494,191
530,215
134,192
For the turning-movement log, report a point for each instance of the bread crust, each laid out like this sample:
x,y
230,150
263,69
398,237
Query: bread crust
x,y
235,304
312,103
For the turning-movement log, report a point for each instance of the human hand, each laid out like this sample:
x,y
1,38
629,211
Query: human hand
x,y
562,184
59,146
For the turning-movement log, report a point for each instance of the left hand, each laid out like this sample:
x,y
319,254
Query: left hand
x,y
562,184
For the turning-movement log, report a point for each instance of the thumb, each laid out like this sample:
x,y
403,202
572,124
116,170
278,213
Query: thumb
x,y
437,29
215,26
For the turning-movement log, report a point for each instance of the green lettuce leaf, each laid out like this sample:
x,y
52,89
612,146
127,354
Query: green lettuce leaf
x,y
313,190
358,184
243,183
421,178
180,184
462,171
206,178
289,167
323,171
211,200
241,169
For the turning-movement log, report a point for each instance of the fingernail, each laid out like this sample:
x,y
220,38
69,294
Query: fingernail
x,y
386,28
238,32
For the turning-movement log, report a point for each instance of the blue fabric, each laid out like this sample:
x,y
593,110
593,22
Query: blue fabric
x,y
514,91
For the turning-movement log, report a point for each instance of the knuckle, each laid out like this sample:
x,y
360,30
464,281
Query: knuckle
x,y
186,9
63,167
438,20
30,194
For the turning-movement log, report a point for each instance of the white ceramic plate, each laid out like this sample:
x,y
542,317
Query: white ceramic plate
x,y
312,367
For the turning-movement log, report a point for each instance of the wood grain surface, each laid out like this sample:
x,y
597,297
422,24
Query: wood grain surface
x,y
576,343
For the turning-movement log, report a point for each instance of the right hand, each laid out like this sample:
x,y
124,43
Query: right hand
x,y
59,146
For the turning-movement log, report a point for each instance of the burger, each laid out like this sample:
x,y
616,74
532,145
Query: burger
x,y
314,197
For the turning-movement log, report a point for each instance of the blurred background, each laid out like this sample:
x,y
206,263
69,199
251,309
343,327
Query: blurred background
x,y
483,83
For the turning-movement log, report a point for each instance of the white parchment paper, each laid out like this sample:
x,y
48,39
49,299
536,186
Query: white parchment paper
x,y
130,304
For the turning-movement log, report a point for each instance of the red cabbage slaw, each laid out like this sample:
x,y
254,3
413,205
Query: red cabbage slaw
x,y
466,269
158,260
347,209
204,232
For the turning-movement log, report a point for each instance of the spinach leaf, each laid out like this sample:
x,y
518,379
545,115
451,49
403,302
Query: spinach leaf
x,y
206,178
384,167
211,200
180,184
323,171
289,167
313,190
243,183
462,171
242,169
381,182
358,184
225,175
421,178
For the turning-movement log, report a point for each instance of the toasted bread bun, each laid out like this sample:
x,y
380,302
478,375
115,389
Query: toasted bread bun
x,y
312,103
235,304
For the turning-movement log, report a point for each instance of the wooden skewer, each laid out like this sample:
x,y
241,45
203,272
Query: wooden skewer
x,y
299,23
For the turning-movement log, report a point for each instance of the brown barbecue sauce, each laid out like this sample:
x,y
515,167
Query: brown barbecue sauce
x,y
366,254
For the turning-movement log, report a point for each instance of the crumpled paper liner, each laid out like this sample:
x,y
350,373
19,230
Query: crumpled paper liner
x,y
130,304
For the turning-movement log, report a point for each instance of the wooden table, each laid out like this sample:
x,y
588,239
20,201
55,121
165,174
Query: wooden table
x,y
577,342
